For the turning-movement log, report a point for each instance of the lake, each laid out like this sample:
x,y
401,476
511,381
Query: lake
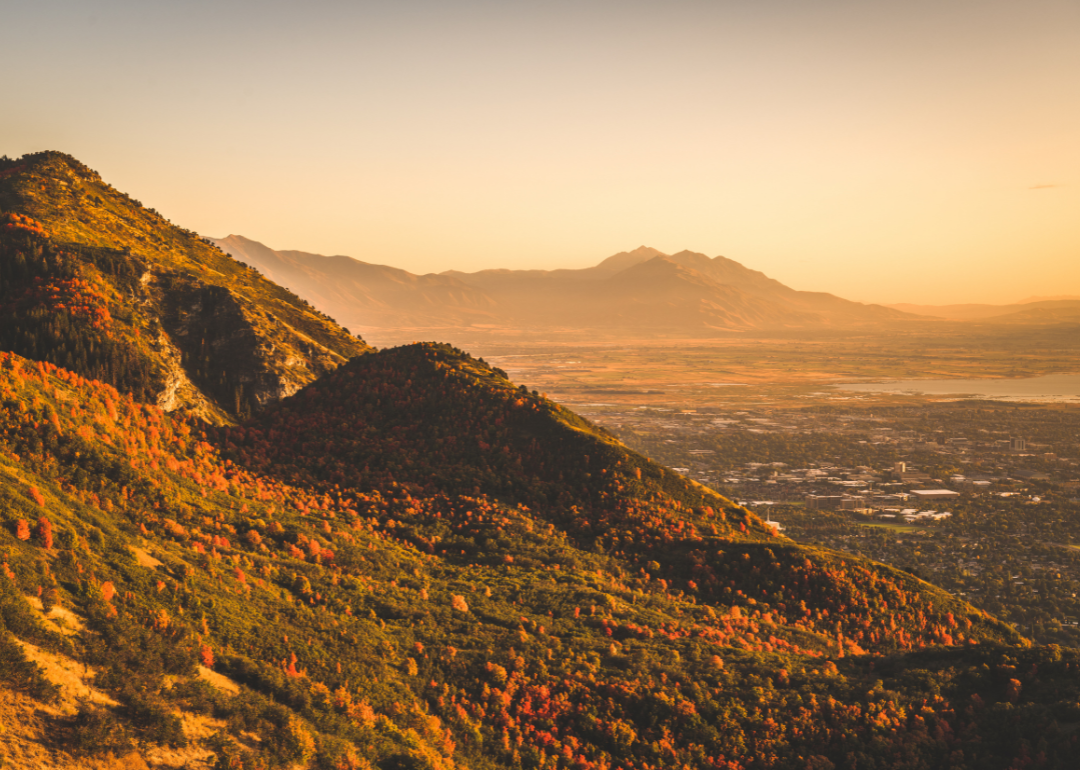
x,y
1050,387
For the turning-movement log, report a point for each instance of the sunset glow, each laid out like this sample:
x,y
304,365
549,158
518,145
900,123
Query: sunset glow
x,y
885,152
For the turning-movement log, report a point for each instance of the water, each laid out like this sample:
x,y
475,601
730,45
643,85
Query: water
x,y
1050,387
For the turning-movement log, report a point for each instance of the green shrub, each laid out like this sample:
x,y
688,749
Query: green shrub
x,y
153,719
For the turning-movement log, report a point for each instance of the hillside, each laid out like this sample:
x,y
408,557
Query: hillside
x,y
1041,313
258,594
410,562
635,293
92,280
1033,310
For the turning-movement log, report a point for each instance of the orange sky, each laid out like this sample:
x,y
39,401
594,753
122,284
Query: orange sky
x,y
916,151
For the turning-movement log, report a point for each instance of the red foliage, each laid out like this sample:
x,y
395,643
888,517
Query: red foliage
x,y
75,296
22,530
19,222
18,169
44,533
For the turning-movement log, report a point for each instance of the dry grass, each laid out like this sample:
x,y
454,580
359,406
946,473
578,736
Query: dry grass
x,y
145,559
70,676
60,618
25,744
219,681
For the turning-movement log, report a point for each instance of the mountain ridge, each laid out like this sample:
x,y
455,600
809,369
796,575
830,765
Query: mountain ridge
x,y
720,296
1042,310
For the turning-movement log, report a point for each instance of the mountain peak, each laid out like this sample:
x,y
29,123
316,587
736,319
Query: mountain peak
x,y
625,259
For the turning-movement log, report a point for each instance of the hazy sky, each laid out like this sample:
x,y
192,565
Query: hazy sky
x,y
884,151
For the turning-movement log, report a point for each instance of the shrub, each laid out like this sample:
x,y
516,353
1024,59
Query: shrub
x,y
96,730
294,742
44,533
154,719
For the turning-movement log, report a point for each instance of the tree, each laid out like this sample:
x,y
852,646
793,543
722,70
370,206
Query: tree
x,y
44,533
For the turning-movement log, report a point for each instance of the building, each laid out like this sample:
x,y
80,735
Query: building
x,y
934,494
854,503
1018,445
775,526
891,498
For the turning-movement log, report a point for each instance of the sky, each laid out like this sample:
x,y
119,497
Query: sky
x,y
912,151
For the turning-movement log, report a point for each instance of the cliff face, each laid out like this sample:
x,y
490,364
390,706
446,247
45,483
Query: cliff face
x,y
93,281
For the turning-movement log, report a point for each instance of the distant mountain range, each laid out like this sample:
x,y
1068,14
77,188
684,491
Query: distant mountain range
x,y
1038,310
638,292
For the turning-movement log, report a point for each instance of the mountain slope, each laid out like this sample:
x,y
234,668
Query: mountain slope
x,y
386,624
92,280
365,295
433,418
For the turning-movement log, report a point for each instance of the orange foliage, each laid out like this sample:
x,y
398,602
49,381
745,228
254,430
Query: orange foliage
x,y
44,532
